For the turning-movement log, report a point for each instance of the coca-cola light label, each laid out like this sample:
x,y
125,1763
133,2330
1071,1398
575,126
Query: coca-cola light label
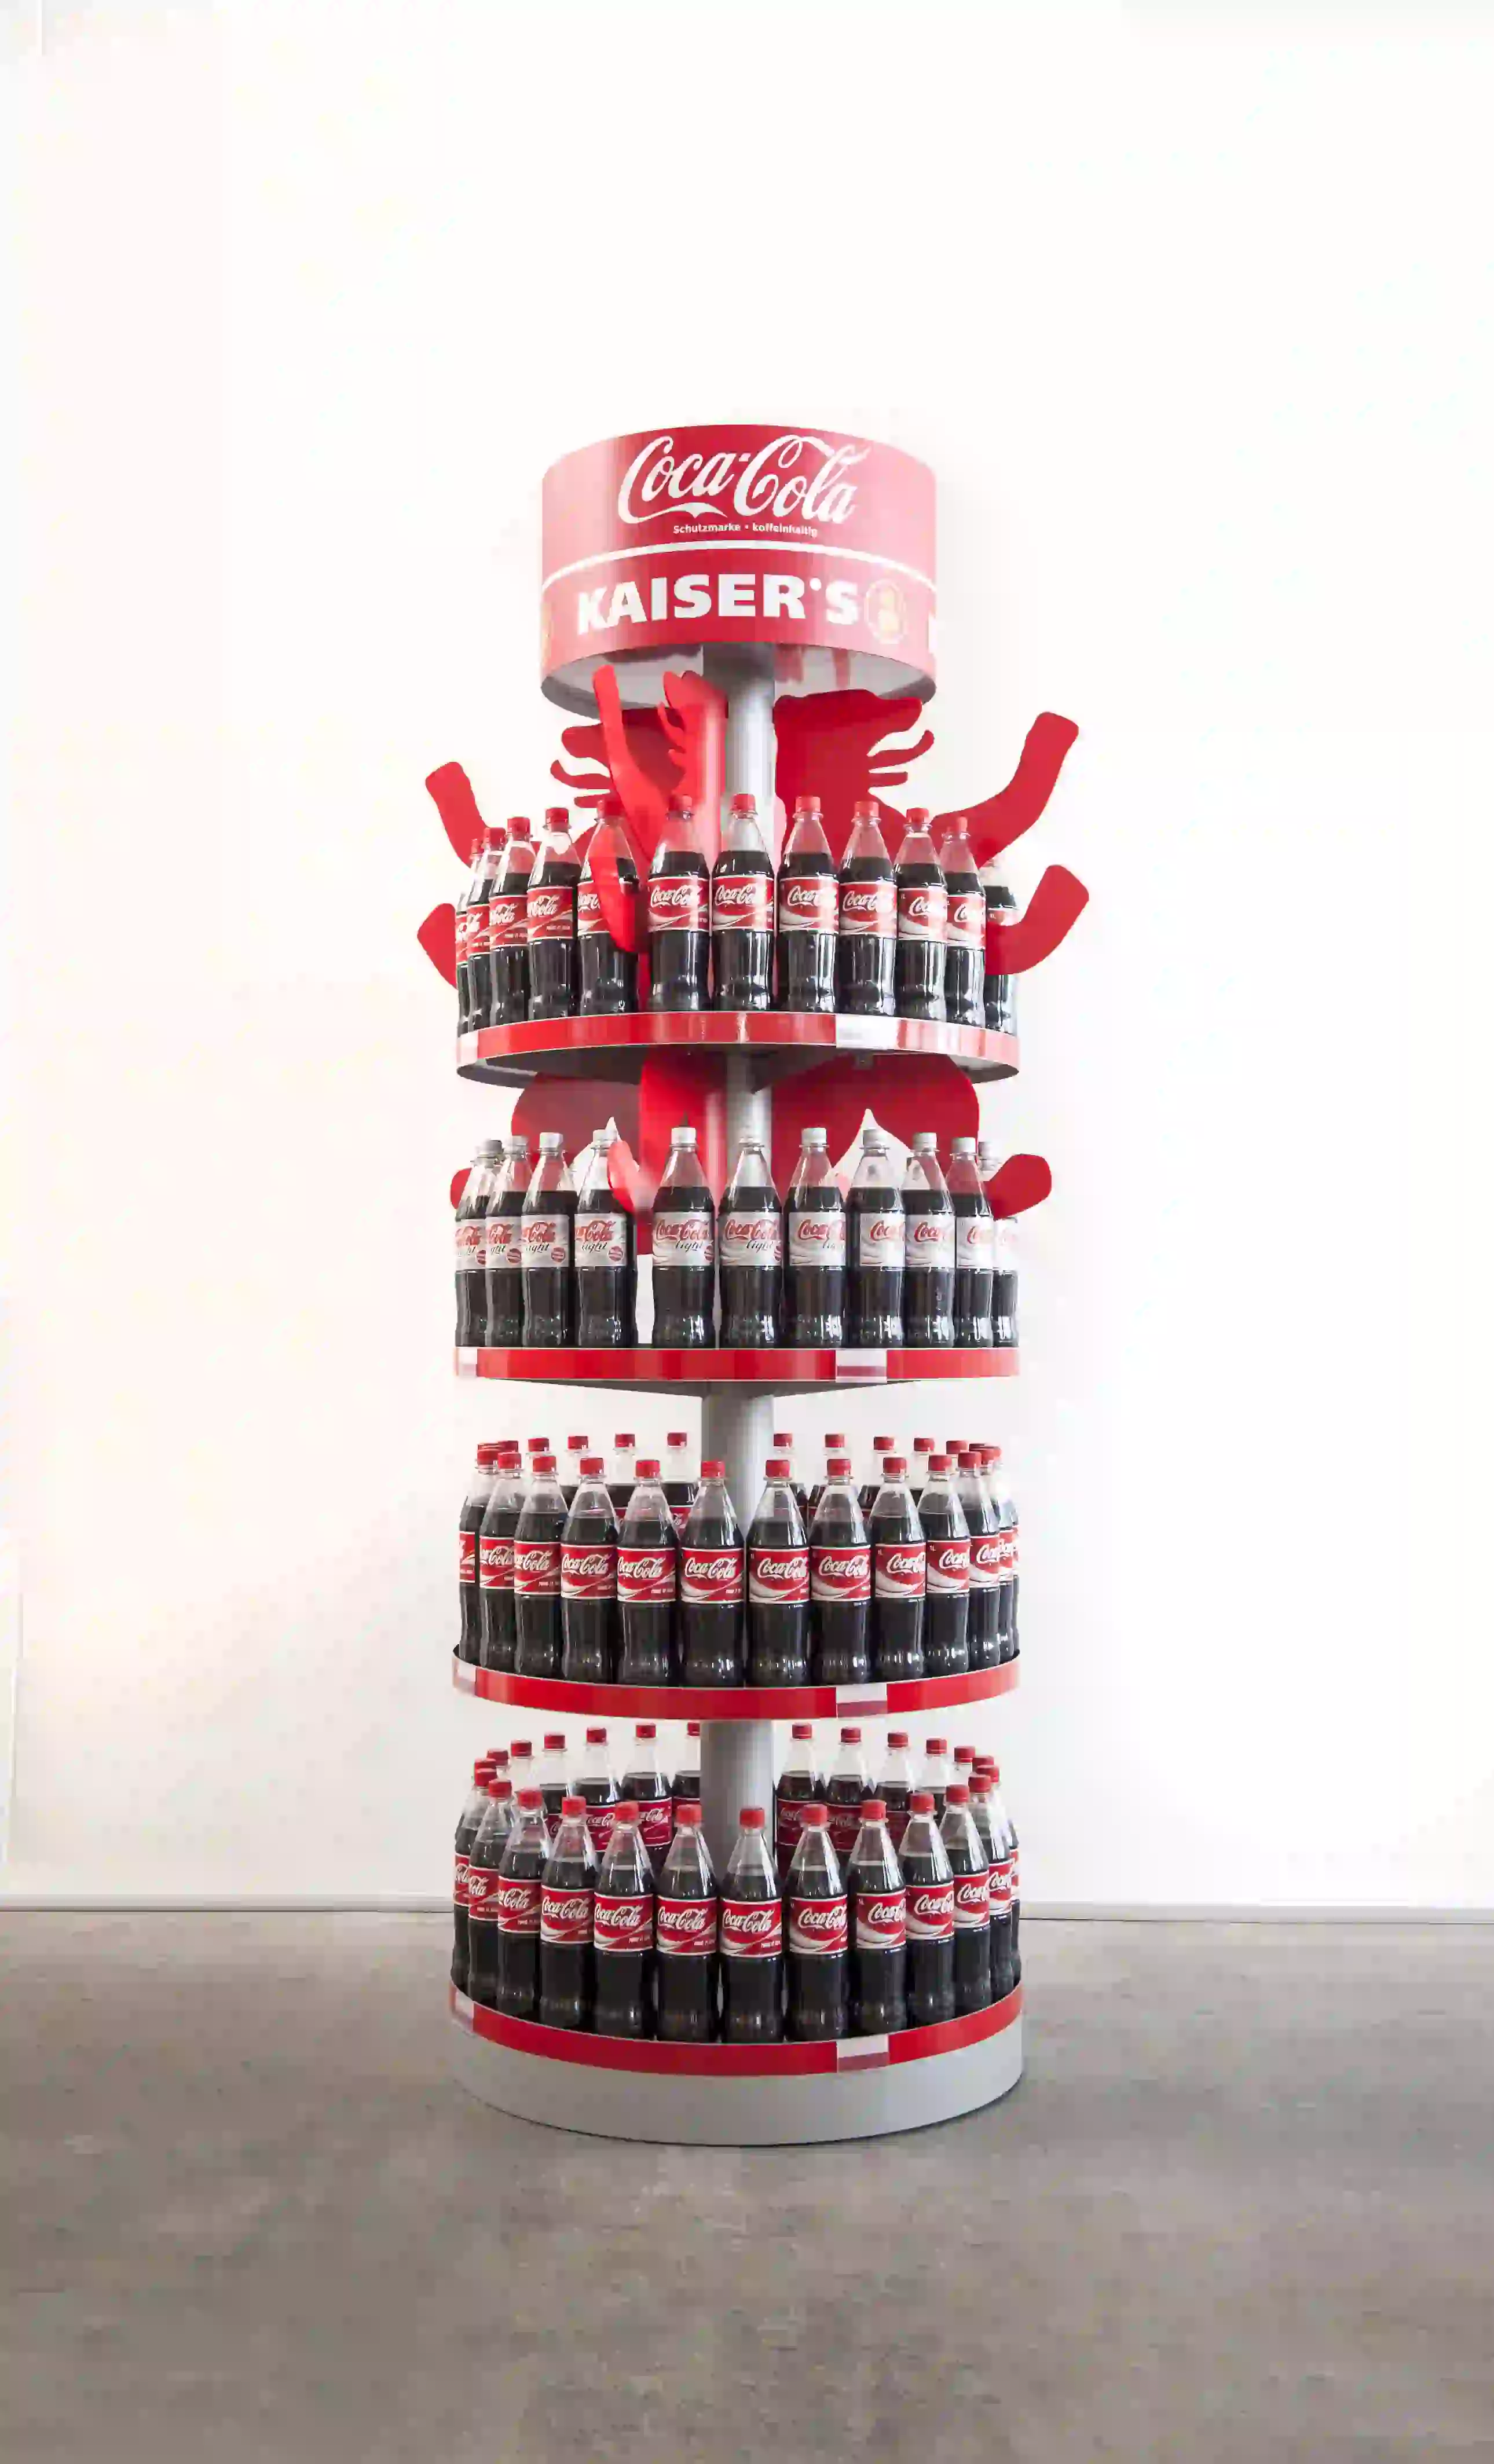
x,y
752,1928
495,1563
682,1241
947,1567
686,1928
588,1573
600,1241
881,1920
817,1928
930,1243
514,1903
965,926
899,1570
840,1574
645,1575
471,1240
972,1902
922,911
466,1557
506,1243
869,907
546,1240
551,913
620,1924
751,1239
677,902
710,1576
777,1578
1006,1244
809,903
537,1568
931,1911
879,1238
975,1242
817,1240
565,1915
741,902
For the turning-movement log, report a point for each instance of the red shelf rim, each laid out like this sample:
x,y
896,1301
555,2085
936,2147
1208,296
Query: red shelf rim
x,y
875,1700
733,1030
846,2054
783,1366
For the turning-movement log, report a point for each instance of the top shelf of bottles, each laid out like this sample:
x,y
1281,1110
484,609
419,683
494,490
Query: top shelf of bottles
x,y
779,1043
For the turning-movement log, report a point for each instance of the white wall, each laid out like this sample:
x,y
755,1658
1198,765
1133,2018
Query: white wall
x,y
1188,324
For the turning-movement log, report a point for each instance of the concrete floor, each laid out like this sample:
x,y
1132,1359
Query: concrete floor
x,y
1238,2208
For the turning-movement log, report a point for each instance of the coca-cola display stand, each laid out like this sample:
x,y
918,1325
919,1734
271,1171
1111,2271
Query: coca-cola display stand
x,y
705,573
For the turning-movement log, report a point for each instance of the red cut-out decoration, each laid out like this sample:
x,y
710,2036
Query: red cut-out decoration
x,y
457,806
575,1107
437,937
623,1175
647,756
831,745
926,1092
1024,1182
675,1088
1055,906
459,1180
1004,816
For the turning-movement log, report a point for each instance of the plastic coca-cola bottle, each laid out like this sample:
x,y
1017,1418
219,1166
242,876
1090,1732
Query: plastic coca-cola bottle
x,y
839,1584
678,906
1003,1250
922,915
870,1487
847,1787
607,1275
1008,1879
878,1927
836,1444
550,1774
898,1567
895,1783
981,1787
550,920
777,1584
972,1902
475,1506
929,1234
741,913
484,1860
750,1248
752,1939
974,1247
934,1776
964,928
546,1230
648,1583
499,1636
508,930
686,1926
983,1627
620,1471
924,1448
597,1789
783,1445
809,901
679,1480
686,1784
874,1247
711,1586
930,1969
622,1931
538,1639
799,1785
814,1250
817,1934
472,1244
645,1782
1001,991
588,1581
513,1905
1006,1504
504,1261
566,1912
469,1823
608,973
684,1251
866,949
474,981
570,1477
946,1603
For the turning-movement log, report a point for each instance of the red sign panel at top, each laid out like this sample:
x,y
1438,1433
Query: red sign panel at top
x,y
802,540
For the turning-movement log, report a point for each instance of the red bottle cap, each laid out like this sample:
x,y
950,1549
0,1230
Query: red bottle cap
x,y
985,1762
591,1466
923,1445
712,1470
957,1794
838,1466
596,1736
692,1727
850,1736
744,804
646,1468
938,1462
558,813
778,1466
676,1438
538,1445
936,1745
873,1809
646,1731
520,1747
865,808
883,1445
802,1730
542,1466
555,1742
780,1440
689,1816
921,1802
571,1806
806,805
835,1438
627,1811
530,1799
895,1466
815,1817
519,825
917,817
578,1445
627,1438
501,1789
751,1817
964,1753
897,1737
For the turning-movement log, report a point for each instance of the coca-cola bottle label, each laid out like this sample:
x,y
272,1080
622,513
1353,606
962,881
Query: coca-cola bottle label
x,y
546,1240
710,1576
622,1924
777,1578
589,1572
655,1821
1009,1550
550,912
947,1567
1003,1881
683,1241
537,1570
815,1240
751,1239
899,1570
845,1827
1015,1881
478,942
677,902
463,934
868,908
817,1928
741,902
965,928
506,1243
879,1238
565,1915
645,1575
600,1241
922,911
808,903
930,1243
495,1563
881,1920
840,1574
975,1242
601,1822
480,1891
459,1883
466,1557
514,1902
972,1902
752,1928
1006,1244
931,1911
471,1240
686,1928
590,922
985,1561
789,1823
508,921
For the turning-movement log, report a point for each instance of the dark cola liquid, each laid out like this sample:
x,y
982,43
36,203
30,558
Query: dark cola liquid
x,y
877,1917
839,1601
1001,991
472,1272
1003,1283
875,1250
752,1972
749,1249
606,1272
930,1967
547,1229
684,1269
516,1984
679,940
865,962
929,1273
778,1602
741,954
553,887
648,1583
607,974
919,969
461,1932
972,1962
897,1579
984,1624
974,1245
508,937
588,1599
946,1606
816,1978
809,907
505,1270
814,1267
470,1524
565,1959
499,1642
482,1932
538,1638
622,1935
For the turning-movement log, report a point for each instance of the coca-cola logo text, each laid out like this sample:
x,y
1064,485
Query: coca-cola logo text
x,y
792,478
687,1925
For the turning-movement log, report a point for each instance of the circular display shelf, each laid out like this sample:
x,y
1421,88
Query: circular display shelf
x,y
777,1042
876,1700
738,2096
660,1372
